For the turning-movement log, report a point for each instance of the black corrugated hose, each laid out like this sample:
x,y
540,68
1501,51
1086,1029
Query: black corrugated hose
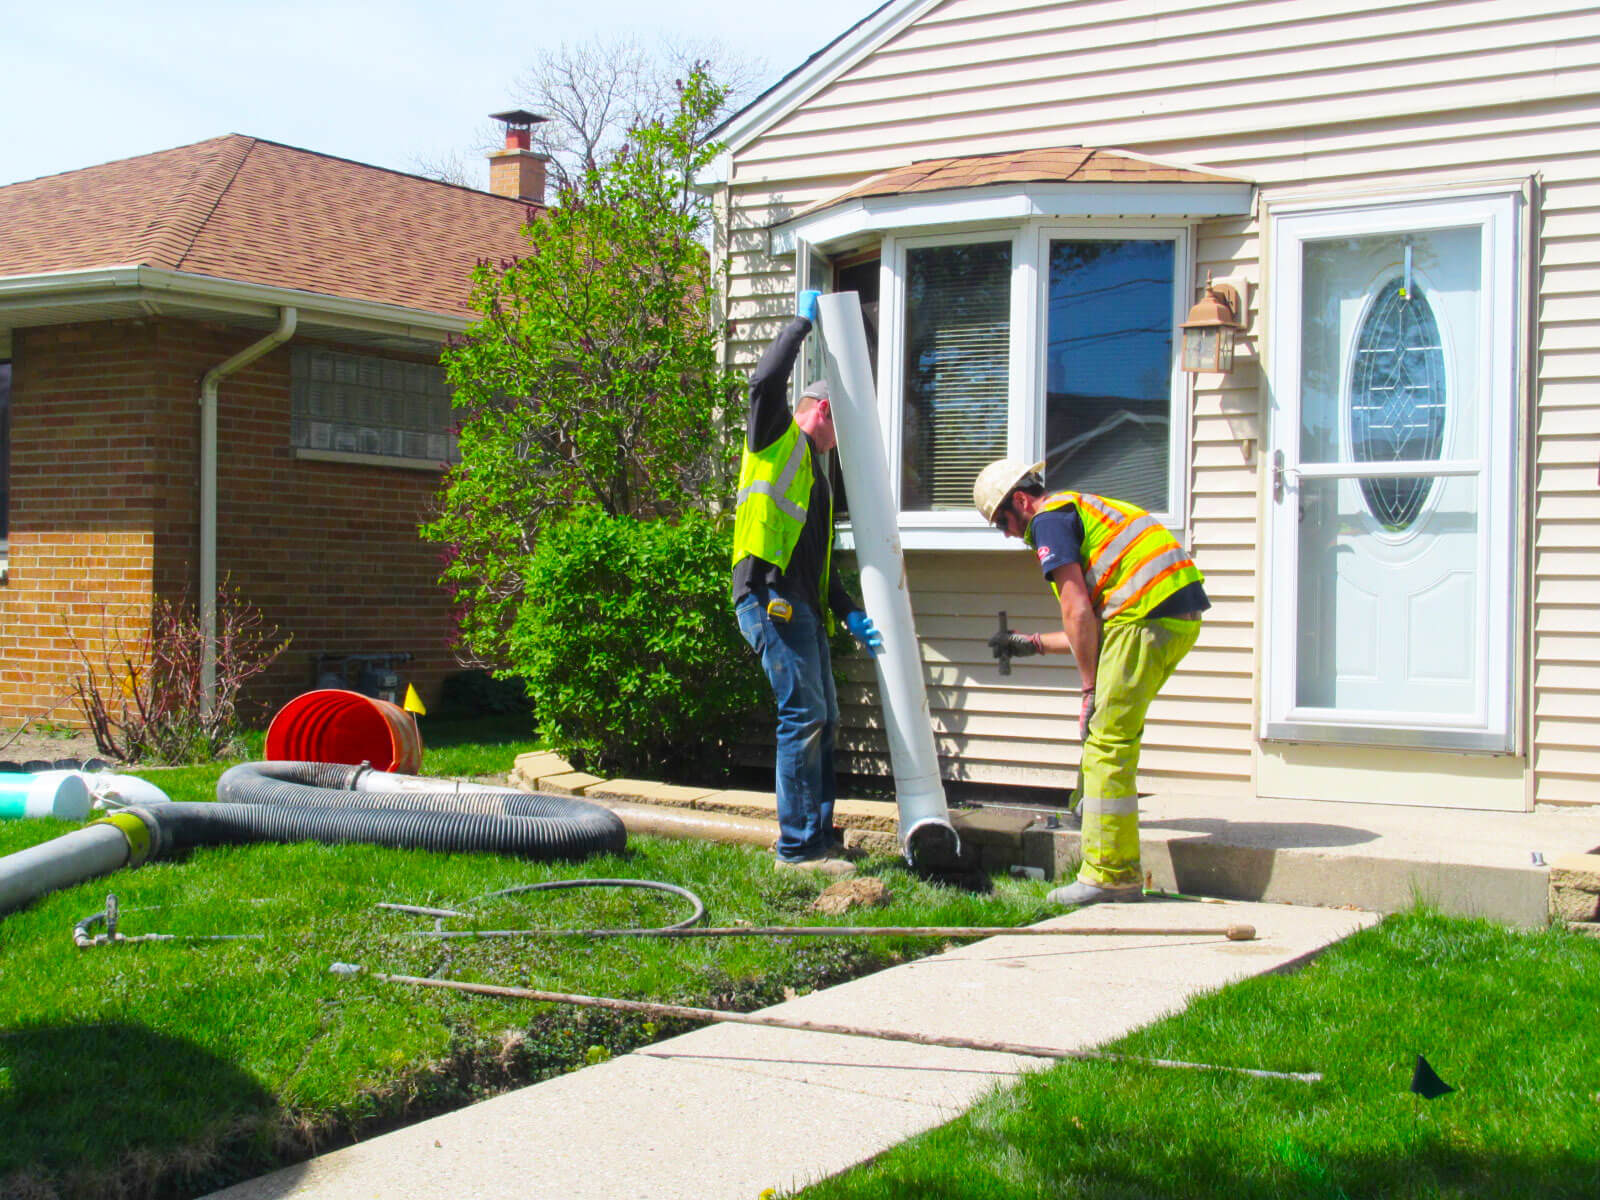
x,y
298,802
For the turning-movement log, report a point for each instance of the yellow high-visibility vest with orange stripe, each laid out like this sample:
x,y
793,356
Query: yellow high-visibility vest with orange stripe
x,y
1132,563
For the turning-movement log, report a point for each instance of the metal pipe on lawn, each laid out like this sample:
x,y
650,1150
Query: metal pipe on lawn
x,y
926,835
764,1020
212,380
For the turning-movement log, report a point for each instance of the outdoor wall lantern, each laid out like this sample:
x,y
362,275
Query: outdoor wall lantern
x,y
1208,331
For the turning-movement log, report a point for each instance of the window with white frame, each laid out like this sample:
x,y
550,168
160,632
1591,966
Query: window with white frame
x,y
361,404
1108,383
1045,341
955,378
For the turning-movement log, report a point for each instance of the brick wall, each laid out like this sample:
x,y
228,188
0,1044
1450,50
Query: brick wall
x,y
83,430
104,516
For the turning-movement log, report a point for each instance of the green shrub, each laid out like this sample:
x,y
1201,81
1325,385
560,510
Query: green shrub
x,y
627,640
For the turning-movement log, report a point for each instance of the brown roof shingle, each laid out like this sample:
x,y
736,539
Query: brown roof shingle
x,y
1060,164
245,209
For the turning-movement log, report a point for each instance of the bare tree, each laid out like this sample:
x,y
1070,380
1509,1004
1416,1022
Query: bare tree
x,y
594,92
449,167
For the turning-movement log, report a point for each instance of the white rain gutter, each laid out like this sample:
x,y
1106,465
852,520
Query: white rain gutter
x,y
287,320
926,835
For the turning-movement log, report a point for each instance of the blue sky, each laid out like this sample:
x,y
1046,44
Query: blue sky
x,y
88,81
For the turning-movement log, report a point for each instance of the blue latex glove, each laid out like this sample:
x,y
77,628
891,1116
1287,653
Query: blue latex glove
x,y
862,629
807,307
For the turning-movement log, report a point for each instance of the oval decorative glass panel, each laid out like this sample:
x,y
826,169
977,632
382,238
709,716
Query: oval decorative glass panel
x,y
1397,399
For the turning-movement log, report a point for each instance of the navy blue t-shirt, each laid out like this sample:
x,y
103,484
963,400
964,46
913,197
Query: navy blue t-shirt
x,y
1058,541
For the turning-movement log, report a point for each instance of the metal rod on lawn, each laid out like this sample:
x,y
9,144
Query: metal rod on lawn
x,y
891,1035
1234,933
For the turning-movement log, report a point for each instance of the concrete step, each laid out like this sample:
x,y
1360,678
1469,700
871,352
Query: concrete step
x,y
1518,868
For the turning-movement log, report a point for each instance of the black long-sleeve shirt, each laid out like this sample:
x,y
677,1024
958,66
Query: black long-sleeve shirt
x,y
768,420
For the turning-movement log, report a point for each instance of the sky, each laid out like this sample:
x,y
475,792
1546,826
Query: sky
x,y
392,83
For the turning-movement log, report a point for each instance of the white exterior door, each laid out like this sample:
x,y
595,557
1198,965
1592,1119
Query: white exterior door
x,y
1392,447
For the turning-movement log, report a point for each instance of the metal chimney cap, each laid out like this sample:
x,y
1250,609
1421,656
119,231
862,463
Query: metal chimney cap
x,y
518,116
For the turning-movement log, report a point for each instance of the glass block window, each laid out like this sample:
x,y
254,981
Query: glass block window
x,y
1397,399
363,404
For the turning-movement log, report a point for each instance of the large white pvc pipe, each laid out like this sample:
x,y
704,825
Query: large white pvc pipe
x,y
926,835
71,858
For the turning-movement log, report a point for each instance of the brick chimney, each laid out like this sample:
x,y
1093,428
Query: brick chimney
x,y
517,171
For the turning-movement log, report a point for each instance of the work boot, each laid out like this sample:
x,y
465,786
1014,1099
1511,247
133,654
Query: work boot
x,y
822,865
1081,894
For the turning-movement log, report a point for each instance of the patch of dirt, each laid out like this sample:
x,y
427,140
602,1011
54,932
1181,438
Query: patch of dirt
x,y
46,745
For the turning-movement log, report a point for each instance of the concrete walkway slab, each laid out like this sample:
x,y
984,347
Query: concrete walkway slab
x,y
1382,857
729,1110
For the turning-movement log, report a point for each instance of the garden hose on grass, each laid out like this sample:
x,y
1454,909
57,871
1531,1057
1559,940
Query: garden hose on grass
x,y
694,918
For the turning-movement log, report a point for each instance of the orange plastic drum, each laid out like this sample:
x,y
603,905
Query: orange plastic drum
x,y
335,726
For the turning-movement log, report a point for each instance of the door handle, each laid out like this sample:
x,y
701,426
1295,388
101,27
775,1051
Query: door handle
x,y
1282,476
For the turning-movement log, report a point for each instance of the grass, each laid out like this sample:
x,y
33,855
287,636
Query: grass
x,y
1507,1018
168,1069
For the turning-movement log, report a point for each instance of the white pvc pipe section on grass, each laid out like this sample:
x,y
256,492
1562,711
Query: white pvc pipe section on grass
x,y
925,829
71,858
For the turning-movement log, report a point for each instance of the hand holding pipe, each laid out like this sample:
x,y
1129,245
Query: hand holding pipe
x,y
1003,651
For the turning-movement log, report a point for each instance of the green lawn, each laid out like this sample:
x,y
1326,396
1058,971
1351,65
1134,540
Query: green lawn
x,y
173,1068
1507,1018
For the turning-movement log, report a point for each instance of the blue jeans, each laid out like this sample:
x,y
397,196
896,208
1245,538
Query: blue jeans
x,y
794,654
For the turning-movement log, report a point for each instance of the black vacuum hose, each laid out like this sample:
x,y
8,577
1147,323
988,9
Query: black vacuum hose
x,y
290,802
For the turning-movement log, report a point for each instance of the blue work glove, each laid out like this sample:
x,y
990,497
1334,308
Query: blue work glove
x,y
862,629
807,307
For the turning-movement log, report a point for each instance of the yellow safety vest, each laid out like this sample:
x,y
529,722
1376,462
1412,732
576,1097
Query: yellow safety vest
x,y
1133,563
770,510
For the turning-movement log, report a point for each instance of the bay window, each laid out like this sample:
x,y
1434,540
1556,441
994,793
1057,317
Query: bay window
x,y
1041,342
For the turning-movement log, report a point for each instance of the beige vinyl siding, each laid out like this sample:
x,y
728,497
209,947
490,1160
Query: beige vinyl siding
x,y
1070,74
1303,97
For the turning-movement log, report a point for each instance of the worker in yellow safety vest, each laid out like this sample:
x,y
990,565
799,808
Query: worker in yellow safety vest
x,y
1131,599
785,594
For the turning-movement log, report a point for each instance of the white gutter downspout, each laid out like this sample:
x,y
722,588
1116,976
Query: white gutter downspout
x,y
287,318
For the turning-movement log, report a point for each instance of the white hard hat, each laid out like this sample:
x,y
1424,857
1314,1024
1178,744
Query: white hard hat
x,y
998,480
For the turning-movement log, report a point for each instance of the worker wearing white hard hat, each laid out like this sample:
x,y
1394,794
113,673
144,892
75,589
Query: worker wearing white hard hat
x,y
1131,599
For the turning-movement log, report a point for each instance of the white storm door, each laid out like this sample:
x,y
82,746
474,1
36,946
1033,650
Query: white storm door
x,y
1390,576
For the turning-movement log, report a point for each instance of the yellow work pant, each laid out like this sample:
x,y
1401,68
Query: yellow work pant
x,y
1136,659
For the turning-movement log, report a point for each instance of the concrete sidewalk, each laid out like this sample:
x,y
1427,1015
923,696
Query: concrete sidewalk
x,y
730,1110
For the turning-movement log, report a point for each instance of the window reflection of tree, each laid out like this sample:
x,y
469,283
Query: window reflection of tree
x,y
1108,365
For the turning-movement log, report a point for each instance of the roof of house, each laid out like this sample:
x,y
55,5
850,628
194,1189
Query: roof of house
x,y
1060,164
241,208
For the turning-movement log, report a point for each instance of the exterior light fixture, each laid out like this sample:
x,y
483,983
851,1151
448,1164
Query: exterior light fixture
x,y
1208,331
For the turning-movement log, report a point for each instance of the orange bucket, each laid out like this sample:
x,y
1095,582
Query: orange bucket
x,y
335,726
